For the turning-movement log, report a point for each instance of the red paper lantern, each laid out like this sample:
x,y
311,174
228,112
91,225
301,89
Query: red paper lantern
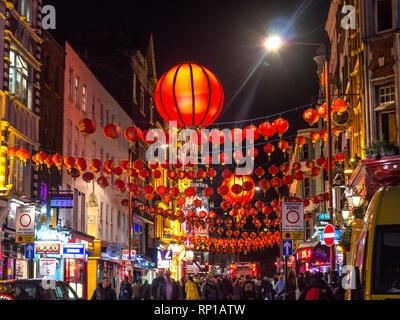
x,y
314,136
266,210
251,130
273,170
190,95
276,182
226,173
211,173
300,141
315,171
87,177
283,145
236,135
288,179
119,184
95,165
102,182
144,173
234,195
238,155
311,116
87,126
340,157
11,152
267,130
310,164
268,149
299,175
223,158
252,152
281,126
339,105
322,111
69,162
118,171
222,190
296,166
81,164
208,192
156,174
133,134
284,168
323,134
217,137
190,191
320,161
264,184
259,172
112,131
173,191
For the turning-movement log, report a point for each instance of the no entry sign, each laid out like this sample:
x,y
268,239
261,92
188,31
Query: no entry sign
x,y
329,235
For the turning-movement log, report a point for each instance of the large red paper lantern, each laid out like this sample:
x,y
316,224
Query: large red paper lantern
x,y
311,116
189,94
281,126
236,183
267,130
133,134
112,131
339,105
87,126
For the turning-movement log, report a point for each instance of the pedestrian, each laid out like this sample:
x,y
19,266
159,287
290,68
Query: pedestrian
x,y
125,290
181,290
280,288
248,289
171,288
228,286
222,291
145,290
260,290
308,278
209,288
301,282
291,286
269,289
155,289
236,290
137,292
191,290
338,291
317,290
104,291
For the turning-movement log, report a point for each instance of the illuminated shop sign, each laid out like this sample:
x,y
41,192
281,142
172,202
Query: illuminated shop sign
x,y
62,200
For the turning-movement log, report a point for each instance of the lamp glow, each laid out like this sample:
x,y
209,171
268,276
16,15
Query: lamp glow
x,y
273,43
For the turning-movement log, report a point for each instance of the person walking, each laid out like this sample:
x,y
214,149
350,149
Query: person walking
x,y
156,286
146,290
104,291
137,292
291,286
236,290
260,289
181,290
301,281
125,290
191,290
222,291
171,288
248,289
209,288
317,290
269,289
228,285
280,288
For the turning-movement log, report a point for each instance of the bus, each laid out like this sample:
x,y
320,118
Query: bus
x,y
239,269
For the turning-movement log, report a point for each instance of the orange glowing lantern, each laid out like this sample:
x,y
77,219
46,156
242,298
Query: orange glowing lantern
x,y
133,134
268,149
267,130
339,105
236,192
87,126
311,116
322,111
281,126
300,141
112,131
190,95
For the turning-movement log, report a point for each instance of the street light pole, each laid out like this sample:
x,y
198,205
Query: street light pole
x,y
130,219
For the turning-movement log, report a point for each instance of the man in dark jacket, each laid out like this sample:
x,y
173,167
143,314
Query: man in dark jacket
x,y
317,290
104,291
157,282
209,289
146,290
248,289
301,282
228,286
125,290
164,288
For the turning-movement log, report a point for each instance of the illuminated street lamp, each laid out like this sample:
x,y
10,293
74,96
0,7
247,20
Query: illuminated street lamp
x,y
274,43
356,200
345,213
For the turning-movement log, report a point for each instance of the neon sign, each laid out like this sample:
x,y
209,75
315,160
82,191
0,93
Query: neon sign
x,y
306,254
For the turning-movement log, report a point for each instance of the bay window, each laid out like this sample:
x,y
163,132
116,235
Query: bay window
x,y
386,113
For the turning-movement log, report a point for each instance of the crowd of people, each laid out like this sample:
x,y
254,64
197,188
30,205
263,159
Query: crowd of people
x,y
308,286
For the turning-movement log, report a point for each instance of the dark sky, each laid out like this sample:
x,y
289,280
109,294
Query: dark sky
x,y
224,35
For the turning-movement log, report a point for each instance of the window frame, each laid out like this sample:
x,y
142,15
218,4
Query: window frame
x,y
375,10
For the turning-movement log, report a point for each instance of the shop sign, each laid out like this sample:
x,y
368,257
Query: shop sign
x,y
305,254
62,200
47,267
74,250
47,247
125,254
163,264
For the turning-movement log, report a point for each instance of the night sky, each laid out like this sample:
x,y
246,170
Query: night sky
x,y
226,37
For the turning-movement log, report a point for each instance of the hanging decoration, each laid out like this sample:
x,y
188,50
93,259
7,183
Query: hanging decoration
x,y
87,126
190,95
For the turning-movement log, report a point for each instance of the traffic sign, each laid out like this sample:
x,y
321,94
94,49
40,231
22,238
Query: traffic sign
x,y
338,236
24,239
292,217
293,236
25,221
287,247
329,235
30,251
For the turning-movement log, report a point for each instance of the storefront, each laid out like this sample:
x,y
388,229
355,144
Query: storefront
x,y
176,264
13,263
144,269
312,257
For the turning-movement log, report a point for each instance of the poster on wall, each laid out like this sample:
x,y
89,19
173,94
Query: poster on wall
x,y
47,267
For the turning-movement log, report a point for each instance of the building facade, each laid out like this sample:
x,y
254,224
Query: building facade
x,y
20,50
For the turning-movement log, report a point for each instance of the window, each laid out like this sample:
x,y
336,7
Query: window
x,y
20,79
305,153
386,261
107,117
69,137
93,149
151,110
383,15
83,145
101,220
307,188
76,142
25,9
70,83
77,91
111,224
134,88
386,113
142,100
106,231
101,115
84,98
93,110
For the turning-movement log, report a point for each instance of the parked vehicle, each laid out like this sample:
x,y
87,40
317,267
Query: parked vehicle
x,y
36,289
375,251
239,269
